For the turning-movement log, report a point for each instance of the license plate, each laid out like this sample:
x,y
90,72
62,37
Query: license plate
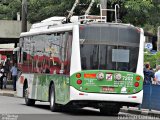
x,y
108,89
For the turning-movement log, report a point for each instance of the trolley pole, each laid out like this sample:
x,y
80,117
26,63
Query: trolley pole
x,y
24,16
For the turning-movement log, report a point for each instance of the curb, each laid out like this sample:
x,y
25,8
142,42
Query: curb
x,y
137,112
8,93
156,114
141,112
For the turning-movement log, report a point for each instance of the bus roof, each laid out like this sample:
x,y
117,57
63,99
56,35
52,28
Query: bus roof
x,y
51,29
56,24
118,25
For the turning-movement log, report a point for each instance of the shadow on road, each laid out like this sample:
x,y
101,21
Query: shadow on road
x,y
73,111
40,106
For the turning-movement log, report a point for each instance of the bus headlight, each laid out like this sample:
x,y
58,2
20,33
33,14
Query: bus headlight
x,y
118,76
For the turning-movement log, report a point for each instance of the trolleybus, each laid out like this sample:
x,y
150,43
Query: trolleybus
x,y
91,64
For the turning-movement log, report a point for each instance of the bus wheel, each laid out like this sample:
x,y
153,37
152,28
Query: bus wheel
x,y
29,102
53,106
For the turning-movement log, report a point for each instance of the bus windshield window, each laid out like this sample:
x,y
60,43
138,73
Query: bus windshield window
x,y
105,47
103,57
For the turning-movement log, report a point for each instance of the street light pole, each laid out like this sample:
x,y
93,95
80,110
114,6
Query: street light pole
x,y
24,16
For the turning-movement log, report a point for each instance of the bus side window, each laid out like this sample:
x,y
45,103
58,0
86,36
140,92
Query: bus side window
x,y
68,47
19,55
24,56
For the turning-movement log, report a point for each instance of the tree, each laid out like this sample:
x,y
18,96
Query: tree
x,y
9,9
14,6
42,9
150,58
142,13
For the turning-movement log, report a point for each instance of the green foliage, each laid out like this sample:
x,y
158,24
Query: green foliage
x,y
142,13
9,10
158,58
42,9
153,59
4,10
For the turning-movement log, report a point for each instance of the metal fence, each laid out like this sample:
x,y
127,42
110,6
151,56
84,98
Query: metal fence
x,y
158,39
151,97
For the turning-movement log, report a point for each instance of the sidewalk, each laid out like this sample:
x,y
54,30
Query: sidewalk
x,y
137,111
8,91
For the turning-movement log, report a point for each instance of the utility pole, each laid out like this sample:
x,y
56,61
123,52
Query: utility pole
x,y
24,16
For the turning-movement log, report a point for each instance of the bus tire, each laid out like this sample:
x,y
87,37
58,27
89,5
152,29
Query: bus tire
x,y
53,106
28,101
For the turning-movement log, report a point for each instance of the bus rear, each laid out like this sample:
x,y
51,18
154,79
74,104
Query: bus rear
x,y
111,67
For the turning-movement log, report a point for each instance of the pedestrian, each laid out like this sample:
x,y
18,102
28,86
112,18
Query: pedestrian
x,y
14,72
7,69
148,75
1,76
4,77
157,75
5,80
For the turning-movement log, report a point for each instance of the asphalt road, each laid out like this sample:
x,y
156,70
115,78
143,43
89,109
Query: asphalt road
x,y
12,108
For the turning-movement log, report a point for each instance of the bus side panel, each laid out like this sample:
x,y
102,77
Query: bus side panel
x,y
21,82
40,89
61,84
38,86
62,89
19,85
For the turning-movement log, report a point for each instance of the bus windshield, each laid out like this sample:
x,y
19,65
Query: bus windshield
x,y
112,52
